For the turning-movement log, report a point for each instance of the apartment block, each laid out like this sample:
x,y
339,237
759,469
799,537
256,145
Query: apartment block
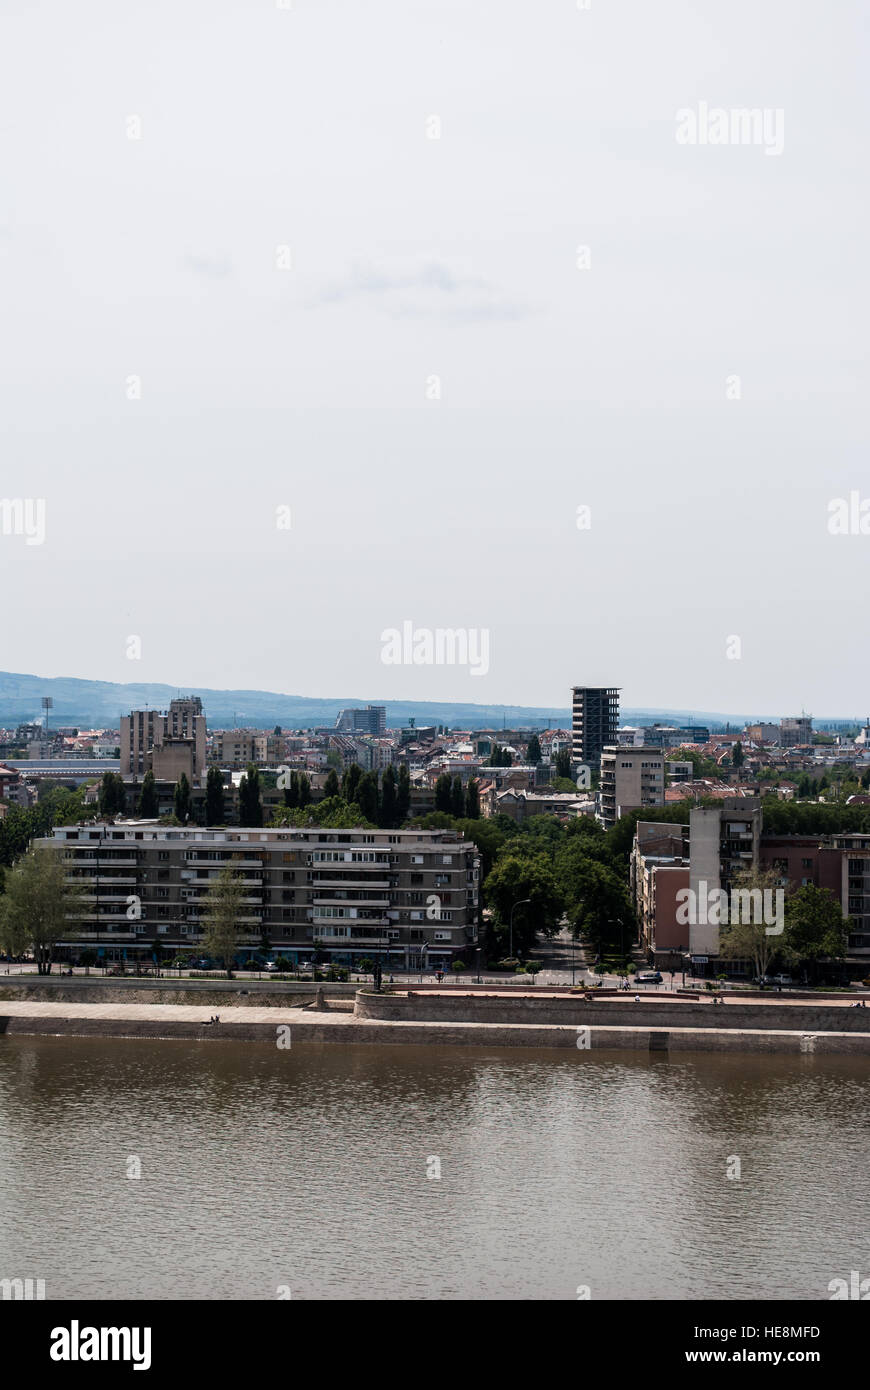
x,y
659,871
165,744
410,896
762,733
797,732
725,842
631,778
594,723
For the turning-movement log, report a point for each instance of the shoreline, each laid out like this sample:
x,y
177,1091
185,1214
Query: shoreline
x,y
293,1026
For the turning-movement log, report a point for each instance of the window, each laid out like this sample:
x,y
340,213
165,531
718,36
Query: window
x,y
442,936
806,863
447,859
416,859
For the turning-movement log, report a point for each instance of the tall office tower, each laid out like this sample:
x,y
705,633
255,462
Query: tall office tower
x,y
371,720
595,721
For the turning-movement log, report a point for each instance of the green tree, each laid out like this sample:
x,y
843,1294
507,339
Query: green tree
x,y
737,754
563,763
181,799
533,752
389,800
516,876
457,797
112,795
214,797
38,905
403,794
291,791
751,940
277,731
367,796
351,781
148,808
223,908
443,799
331,787
598,904
472,799
304,791
815,928
250,808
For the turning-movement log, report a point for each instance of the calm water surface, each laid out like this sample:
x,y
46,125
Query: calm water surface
x,y
307,1168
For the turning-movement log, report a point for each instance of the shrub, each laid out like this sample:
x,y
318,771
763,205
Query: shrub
x,y
459,965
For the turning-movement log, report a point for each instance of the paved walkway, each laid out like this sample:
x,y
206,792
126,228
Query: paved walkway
x,y
167,1013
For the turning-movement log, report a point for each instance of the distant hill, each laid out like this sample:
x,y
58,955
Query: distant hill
x,y
98,704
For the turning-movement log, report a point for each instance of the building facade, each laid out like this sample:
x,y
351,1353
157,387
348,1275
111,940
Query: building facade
x,y
631,778
165,744
594,723
371,720
410,896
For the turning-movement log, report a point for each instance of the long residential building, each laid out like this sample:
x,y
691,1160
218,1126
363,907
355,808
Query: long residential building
x,y
410,896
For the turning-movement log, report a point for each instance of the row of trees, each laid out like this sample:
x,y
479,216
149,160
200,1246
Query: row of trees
x,y
455,800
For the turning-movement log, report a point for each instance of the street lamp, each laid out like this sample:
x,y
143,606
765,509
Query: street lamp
x,y
513,910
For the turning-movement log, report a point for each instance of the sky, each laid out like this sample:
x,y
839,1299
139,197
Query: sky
x,y
324,318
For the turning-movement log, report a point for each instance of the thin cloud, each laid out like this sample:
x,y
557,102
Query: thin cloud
x,y
213,267
432,289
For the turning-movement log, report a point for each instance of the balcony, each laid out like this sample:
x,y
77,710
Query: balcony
x,y
109,863
319,883
351,902
372,922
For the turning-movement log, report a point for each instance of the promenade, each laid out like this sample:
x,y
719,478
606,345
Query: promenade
x,y
294,1026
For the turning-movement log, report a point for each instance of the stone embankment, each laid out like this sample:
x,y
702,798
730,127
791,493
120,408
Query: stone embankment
x,y
657,1025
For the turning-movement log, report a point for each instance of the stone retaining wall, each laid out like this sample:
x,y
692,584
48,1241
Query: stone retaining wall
x,y
639,1040
432,1008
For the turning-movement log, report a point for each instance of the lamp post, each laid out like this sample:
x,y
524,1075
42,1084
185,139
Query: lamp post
x,y
517,904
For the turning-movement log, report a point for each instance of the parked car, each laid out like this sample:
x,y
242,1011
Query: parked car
x,y
648,977
774,980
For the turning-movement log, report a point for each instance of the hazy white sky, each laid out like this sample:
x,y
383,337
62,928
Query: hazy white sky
x,y
454,258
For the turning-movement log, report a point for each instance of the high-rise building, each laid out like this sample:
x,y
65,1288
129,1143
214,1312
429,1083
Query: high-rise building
x,y
595,720
371,720
630,778
165,744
